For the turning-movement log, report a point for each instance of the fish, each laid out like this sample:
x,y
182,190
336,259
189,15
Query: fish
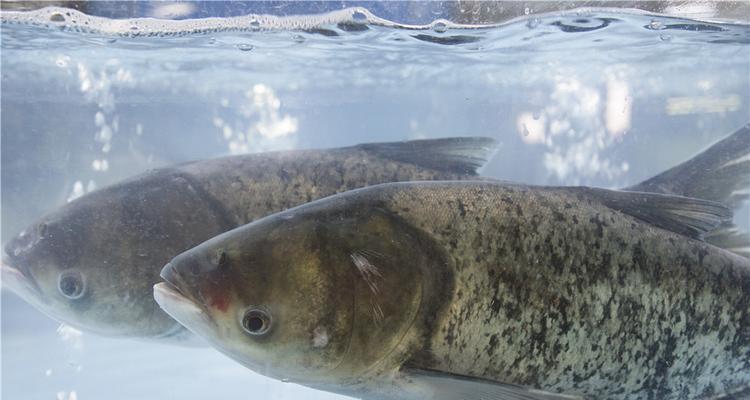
x,y
480,290
92,263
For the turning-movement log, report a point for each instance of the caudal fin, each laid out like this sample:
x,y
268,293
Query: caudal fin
x,y
458,154
721,173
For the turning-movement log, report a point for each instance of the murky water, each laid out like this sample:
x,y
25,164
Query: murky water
x,y
592,97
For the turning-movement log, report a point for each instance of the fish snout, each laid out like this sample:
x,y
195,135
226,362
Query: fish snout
x,y
21,245
182,276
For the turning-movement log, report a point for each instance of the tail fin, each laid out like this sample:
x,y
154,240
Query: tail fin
x,y
721,173
459,154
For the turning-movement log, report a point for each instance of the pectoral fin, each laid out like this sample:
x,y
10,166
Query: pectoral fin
x,y
435,385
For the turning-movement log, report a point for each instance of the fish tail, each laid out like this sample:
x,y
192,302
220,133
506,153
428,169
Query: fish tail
x,y
720,173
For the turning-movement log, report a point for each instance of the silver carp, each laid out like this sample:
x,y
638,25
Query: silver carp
x,y
93,262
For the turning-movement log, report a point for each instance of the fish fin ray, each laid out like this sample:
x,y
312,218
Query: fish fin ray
x,y
684,215
729,237
436,385
457,154
720,173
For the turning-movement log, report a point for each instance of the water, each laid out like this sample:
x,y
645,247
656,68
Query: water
x,y
592,97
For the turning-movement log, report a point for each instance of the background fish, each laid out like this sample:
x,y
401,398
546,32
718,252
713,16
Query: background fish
x,y
92,263
478,290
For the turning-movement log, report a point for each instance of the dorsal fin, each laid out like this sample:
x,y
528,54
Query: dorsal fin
x,y
462,155
684,215
720,173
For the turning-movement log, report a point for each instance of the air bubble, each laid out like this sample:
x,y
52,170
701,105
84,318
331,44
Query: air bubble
x,y
298,38
245,47
57,18
134,27
655,25
665,38
533,23
440,27
255,24
526,11
212,40
359,16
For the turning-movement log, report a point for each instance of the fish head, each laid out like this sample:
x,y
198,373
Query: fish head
x,y
92,263
316,298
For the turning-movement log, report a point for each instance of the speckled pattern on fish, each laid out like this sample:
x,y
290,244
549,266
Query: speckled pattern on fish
x,y
554,290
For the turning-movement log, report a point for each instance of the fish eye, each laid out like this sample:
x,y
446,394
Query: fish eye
x,y
256,322
70,284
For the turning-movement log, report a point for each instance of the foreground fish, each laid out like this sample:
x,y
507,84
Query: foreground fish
x,y
92,263
478,291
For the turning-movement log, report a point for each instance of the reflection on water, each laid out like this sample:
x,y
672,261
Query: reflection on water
x,y
585,98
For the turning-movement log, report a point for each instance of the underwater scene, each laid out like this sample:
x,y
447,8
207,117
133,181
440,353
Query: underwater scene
x,y
376,200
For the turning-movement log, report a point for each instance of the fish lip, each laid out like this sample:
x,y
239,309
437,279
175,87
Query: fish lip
x,y
18,279
182,308
173,299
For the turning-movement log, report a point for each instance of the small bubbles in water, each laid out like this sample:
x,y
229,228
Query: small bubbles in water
x,y
359,16
57,17
440,27
655,25
525,130
245,47
255,24
298,38
665,37
526,11
532,23
212,40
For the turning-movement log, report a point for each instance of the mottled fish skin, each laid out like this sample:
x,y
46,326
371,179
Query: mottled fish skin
x,y
118,238
553,290
249,188
534,287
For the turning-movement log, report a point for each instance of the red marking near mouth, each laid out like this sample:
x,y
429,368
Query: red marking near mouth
x,y
221,302
215,296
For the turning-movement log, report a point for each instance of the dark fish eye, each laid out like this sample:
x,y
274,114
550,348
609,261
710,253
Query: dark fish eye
x,y
256,322
71,285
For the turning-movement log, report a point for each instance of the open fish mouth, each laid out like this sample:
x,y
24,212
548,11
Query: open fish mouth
x,y
183,309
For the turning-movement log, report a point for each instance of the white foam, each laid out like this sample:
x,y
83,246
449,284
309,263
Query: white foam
x,y
73,20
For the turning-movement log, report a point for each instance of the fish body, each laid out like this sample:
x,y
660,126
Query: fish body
x,y
478,290
93,262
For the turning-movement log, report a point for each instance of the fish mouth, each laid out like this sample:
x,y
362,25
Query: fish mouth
x,y
185,310
19,281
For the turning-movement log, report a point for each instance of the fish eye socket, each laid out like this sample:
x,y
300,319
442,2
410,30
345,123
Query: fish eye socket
x,y
256,322
71,285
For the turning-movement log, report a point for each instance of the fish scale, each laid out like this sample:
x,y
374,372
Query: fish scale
x,y
560,281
